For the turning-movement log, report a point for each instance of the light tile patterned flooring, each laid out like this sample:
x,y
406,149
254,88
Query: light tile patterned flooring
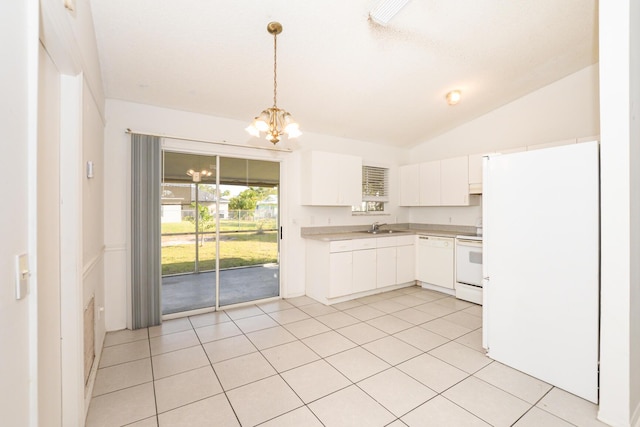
x,y
407,357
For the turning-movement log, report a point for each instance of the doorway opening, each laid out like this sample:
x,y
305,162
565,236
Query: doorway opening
x,y
220,231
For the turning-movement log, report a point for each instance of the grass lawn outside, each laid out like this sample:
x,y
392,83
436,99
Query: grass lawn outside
x,y
236,250
225,225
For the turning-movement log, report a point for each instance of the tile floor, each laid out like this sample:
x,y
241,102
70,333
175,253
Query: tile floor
x,y
409,357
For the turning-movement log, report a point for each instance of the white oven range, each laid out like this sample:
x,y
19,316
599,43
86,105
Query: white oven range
x,y
469,268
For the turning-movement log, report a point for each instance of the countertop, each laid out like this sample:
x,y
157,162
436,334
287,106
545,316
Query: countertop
x,y
350,235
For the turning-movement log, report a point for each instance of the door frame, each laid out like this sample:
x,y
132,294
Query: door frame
x,y
249,153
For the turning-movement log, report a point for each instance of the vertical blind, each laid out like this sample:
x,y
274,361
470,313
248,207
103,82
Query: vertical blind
x,y
145,231
375,184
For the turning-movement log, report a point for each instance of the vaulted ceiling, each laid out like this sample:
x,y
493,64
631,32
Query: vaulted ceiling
x,y
339,73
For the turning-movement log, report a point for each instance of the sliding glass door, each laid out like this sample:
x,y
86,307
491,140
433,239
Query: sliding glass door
x,y
220,223
249,236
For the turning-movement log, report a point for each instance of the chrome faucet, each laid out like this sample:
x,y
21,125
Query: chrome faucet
x,y
375,227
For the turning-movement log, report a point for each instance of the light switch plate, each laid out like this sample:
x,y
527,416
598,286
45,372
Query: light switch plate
x,y
22,276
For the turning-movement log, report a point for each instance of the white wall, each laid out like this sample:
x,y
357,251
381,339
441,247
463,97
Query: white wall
x,y
634,158
69,39
18,370
48,230
93,212
620,213
566,109
121,115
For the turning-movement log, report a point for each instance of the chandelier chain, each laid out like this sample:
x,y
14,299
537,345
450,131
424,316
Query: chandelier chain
x,y
275,69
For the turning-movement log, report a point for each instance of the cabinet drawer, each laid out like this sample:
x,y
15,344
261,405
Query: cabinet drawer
x,y
386,242
341,246
359,244
405,240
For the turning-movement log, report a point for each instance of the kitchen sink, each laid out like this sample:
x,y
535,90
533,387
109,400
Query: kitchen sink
x,y
381,231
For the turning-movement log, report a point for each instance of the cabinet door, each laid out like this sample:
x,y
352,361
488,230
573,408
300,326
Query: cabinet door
x,y
405,264
454,175
330,179
409,185
364,270
349,171
386,267
429,173
340,274
317,186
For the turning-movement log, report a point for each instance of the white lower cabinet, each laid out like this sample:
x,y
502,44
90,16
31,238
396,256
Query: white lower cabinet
x,y
364,265
386,267
364,270
406,259
340,274
335,270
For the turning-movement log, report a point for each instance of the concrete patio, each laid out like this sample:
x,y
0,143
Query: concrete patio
x,y
194,291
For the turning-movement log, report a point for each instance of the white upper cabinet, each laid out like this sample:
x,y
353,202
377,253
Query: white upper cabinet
x,y
438,183
330,179
409,185
430,183
454,181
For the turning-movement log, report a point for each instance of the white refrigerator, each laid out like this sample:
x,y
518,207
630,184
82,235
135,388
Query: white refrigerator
x,y
541,264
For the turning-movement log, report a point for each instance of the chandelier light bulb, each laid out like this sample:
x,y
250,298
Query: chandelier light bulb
x,y
252,130
262,125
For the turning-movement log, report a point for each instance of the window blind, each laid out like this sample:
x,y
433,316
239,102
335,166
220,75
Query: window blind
x,y
375,184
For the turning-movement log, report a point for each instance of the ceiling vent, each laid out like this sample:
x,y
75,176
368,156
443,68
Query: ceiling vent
x,y
385,10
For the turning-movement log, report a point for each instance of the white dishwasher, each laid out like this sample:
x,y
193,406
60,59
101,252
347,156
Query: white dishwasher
x,y
436,263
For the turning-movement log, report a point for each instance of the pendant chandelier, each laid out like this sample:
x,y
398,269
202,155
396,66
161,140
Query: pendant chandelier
x,y
197,176
274,121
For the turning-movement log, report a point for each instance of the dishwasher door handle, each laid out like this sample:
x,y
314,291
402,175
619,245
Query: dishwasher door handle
x,y
469,242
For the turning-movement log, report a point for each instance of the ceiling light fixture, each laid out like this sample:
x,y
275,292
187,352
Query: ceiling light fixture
x,y
197,176
386,10
274,121
454,97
